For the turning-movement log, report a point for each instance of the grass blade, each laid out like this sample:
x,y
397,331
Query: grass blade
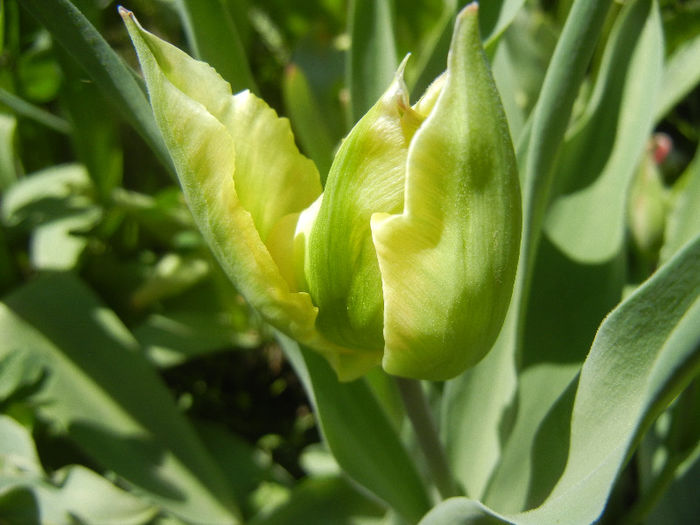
x,y
214,38
85,44
25,109
372,60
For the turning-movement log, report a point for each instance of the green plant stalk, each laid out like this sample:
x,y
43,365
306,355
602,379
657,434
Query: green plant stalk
x,y
420,415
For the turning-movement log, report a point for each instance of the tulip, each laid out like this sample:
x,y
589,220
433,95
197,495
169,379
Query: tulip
x,y
406,258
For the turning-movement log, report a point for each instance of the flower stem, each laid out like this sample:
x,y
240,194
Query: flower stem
x,y
421,418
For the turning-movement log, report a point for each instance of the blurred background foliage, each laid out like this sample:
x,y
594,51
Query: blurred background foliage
x,y
114,314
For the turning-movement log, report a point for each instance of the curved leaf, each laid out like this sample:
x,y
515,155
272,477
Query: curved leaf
x,y
683,221
359,434
681,75
80,38
107,398
645,353
588,220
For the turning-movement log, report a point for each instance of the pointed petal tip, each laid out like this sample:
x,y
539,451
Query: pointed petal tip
x,y
471,8
124,12
402,65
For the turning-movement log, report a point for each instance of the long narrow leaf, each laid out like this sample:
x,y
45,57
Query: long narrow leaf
x,y
85,44
25,109
681,75
215,39
351,420
372,60
683,221
552,112
587,221
307,120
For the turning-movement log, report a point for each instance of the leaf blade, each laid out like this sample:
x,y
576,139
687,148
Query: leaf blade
x,y
80,38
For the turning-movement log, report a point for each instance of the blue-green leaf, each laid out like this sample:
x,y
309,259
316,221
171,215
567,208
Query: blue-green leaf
x,y
105,396
587,221
351,420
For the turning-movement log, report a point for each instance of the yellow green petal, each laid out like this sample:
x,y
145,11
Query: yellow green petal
x,y
243,178
448,260
367,175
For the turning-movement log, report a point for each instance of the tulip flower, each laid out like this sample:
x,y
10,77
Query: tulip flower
x,y
406,258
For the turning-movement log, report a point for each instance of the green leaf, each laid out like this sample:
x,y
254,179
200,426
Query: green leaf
x,y
568,301
61,497
96,140
8,158
477,406
58,244
46,195
56,204
372,59
307,119
534,454
18,456
18,374
118,83
681,74
104,395
587,221
322,500
462,511
645,353
679,502
214,38
350,420
683,222
519,65
550,119
495,17
23,108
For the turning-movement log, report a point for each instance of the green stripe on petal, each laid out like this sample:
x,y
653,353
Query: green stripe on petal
x,y
448,261
244,181
367,176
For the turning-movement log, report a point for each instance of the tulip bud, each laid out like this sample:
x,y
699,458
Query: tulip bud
x,y
408,256
413,252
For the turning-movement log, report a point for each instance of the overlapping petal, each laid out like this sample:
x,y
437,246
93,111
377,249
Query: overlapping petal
x,y
448,260
409,254
243,177
367,175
